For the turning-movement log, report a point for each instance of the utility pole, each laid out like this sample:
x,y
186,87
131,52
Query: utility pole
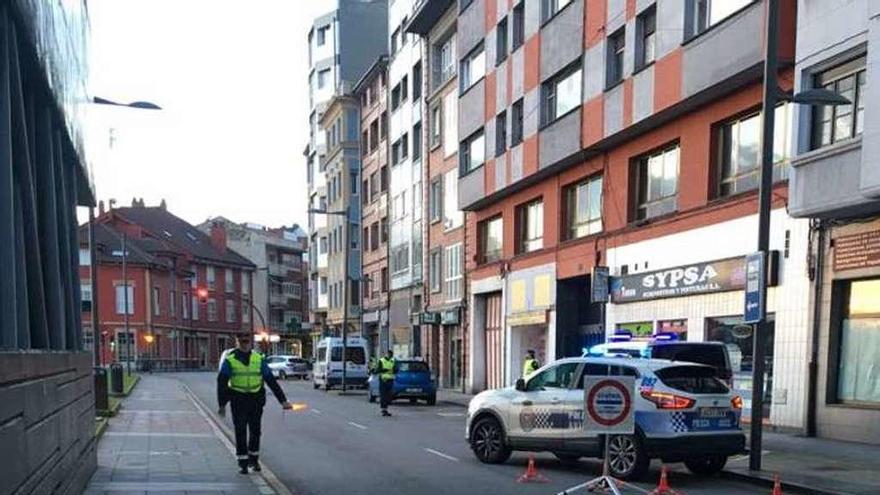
x,y
93,282
345,293
128,337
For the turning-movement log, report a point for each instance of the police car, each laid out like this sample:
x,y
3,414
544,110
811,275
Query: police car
x,y
683,412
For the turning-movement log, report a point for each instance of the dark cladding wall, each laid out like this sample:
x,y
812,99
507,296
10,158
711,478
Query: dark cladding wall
x,y
46,401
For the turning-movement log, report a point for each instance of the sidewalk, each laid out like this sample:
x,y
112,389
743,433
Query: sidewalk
x,y
453,397
162,442
815,465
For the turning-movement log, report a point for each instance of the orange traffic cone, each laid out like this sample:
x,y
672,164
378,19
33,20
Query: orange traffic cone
x,y
531,475
777,487
663,487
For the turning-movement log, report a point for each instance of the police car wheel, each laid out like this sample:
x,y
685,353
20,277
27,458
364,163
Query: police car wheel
x,y
487,441
626,457
706,465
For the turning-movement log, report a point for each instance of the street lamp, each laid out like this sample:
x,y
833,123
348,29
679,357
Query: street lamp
x,y
771,94
345,291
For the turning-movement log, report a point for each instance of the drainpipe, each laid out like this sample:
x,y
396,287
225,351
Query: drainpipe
x,y
813,370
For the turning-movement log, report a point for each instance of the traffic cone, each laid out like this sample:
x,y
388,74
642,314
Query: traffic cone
x,y
777,486
532,475
663,487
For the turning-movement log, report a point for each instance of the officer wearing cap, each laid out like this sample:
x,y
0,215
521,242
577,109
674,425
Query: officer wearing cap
x,y
240,382
530,365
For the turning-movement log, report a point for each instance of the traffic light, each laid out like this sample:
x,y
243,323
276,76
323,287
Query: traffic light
x,y
202,294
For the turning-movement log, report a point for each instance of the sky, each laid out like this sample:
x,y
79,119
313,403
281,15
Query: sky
x,y
231,78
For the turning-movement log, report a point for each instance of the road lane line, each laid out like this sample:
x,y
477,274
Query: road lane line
x,y
362,427
450,414
317,411
441,454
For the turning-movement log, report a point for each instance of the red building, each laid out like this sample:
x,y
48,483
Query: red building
x,y
166,261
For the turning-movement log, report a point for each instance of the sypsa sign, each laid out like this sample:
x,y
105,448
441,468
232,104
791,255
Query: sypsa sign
x,y
608,404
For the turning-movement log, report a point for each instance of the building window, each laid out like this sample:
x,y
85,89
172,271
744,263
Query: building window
x,y
452,285
530,227
88,339
355,294
473,68
435,199
435,266
583,208
395,41
417,141
212,310
646,34
374,135
836,123
444,61
450,124
417,81
120,299
230,285
435,126
195,308
84,257
616,47
740,151
516,123
323,78
322,35
472,152
519,26
396,99
383,226
374,186
404,88
245,313
398,150
230,311
383,178
399,258
657,183
707,13
491,238
501,41
211,277
322,286
500,133
366,239
452,215
549,8
383,125
374,236
384,279
562,93
354,233
245,283
365,197
856,322
184,305
172,303
85,297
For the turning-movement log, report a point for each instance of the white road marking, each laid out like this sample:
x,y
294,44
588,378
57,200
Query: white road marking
x,y
317,411
450,414
441,454
362,427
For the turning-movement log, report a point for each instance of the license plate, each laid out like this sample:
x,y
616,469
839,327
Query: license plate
x,y
713,412
413,390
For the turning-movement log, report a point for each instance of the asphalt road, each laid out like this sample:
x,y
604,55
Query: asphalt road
x,y
342,445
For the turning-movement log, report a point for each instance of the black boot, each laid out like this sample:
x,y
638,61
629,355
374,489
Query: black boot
x,y
254,463
243,466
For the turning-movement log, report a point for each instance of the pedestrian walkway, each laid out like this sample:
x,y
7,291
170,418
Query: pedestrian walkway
x,y
162,442
816,465
453,397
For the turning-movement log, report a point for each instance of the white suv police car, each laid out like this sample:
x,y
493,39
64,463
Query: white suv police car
x,y
683,412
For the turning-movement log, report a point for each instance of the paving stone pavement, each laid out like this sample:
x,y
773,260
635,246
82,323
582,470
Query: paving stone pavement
x,y
162,443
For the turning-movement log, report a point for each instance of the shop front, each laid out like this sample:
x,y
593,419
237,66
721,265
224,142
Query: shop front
x,y
530,318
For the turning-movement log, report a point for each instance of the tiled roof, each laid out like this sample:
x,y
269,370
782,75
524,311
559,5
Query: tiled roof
x,y
109,246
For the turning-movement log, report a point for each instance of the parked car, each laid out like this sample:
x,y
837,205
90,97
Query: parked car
x,y
683,412
412,381
288,366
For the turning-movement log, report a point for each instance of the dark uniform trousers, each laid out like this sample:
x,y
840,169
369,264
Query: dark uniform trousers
x,y
386,388
247,413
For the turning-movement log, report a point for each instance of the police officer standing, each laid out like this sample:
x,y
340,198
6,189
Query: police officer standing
x,y
241,382
530,365
386,371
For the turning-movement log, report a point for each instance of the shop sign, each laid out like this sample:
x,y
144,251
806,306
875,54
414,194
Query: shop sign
x,y
857,251
527,318
449,317
753,310
697,278
430,318
599,280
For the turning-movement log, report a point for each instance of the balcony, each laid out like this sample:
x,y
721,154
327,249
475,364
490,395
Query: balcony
x,y
278,299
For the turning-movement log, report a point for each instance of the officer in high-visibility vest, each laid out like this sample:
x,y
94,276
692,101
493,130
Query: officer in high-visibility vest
x,y
240,382
530,365
386,369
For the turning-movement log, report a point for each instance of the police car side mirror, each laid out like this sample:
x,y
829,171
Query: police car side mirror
x,y
521,385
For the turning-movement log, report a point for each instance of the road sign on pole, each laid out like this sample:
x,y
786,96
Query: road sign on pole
x,y
608,404
753,312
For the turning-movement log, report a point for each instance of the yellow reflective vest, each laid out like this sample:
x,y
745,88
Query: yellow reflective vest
x,y
246,378
386,369
529,367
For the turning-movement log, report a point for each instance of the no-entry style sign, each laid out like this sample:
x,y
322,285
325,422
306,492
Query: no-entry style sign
x,y
608,404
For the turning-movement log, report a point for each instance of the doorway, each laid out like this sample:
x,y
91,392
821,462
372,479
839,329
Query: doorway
x,y
494,344
454,344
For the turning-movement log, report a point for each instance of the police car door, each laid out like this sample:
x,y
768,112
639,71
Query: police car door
x,y
575,438
538,415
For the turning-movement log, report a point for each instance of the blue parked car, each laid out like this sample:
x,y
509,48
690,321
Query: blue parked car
x,y
412,381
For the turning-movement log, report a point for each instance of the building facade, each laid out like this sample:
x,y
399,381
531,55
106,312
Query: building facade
x,y
280,281
372,91
835,182
405,188
342,45
444,332
170,324
46,386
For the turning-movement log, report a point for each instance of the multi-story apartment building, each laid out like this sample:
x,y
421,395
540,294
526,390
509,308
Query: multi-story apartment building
x,y
342,45
177,262
444,333
610,133
405,188
280,282
372,90
342,168
835,181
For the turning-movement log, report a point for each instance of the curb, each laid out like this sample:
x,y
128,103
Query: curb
x,y
768,480
266,475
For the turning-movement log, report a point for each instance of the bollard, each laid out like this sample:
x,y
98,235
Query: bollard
x,y
116,378
102,402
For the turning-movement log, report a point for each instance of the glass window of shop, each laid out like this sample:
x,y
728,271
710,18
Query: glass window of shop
x,y
738,337
856,328
640,330
679,328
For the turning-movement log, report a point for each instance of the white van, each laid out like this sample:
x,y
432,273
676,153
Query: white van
x,y
327,371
